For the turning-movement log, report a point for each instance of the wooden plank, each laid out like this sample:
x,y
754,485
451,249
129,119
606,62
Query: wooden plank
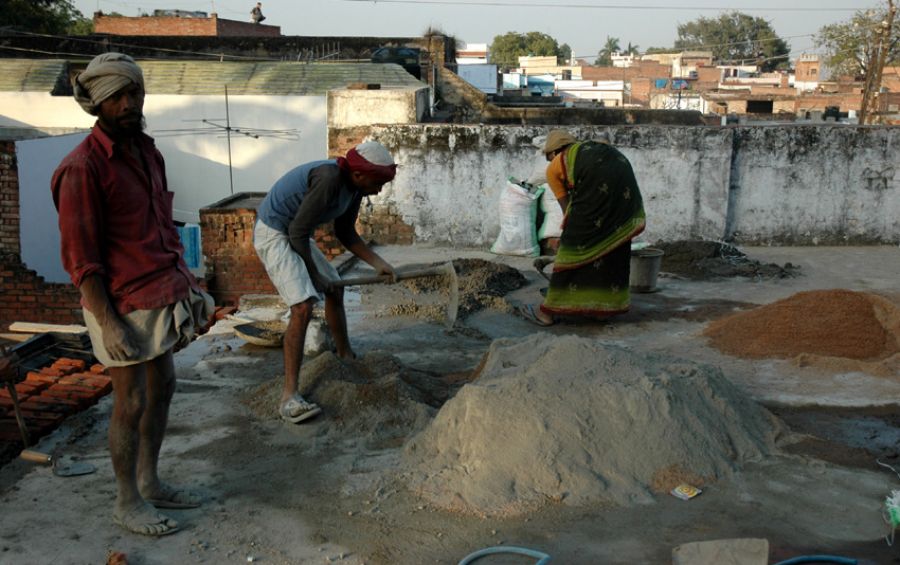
x,y
36,328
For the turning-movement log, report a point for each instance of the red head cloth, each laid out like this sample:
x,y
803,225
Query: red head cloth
x,y
372,159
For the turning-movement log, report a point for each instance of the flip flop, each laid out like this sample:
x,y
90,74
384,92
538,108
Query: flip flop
x,y
527,312
174,497
296,410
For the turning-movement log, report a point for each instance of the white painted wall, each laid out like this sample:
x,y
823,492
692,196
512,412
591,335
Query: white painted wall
x,y
450,177
197,164
791,184
354,108
818,184
39,229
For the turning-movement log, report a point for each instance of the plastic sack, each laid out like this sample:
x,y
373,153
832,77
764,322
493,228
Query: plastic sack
x,y
518,214
553,216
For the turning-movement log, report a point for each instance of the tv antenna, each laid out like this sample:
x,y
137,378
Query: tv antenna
x,y
213,126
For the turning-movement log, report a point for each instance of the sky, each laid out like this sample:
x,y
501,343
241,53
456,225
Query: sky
x,y
583,24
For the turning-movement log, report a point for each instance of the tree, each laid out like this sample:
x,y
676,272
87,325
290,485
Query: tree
x,y
604,57
43,16
565,52
632,49
735,38
506,49
850,46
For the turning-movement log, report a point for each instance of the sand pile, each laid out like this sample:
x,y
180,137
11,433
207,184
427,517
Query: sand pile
x,y
375,398
702,260
482,285
840,329
569,420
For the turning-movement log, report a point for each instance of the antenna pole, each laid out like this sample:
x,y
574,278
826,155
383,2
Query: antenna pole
x,y
228,136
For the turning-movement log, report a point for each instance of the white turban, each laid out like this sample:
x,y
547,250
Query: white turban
x,y
105,75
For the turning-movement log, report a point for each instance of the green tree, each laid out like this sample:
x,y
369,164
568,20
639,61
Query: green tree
x,y
507,48
850,46
604,57
565,52
632,49
735,37
42,16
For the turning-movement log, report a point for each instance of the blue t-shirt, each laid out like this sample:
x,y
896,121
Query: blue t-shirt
x,y
281,204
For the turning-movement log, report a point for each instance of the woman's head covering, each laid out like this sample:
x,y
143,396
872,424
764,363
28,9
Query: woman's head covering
x,y
105,75
372,159
557,139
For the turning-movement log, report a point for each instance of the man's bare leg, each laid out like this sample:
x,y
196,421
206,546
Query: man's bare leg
x,y
294,339
160,390
131,511
336,318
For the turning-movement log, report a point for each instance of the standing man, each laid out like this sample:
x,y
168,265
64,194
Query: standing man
x,y
256,14
121,249
309,195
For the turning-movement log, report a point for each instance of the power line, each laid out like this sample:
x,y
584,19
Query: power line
x,y
603,6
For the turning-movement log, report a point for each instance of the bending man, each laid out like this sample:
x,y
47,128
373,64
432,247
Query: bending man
x,y
305,197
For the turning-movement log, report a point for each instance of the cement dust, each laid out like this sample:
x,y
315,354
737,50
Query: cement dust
x,y
839,330
482,285
709,260
568,420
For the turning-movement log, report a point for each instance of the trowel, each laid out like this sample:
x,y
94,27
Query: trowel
x,y
63,466
447,271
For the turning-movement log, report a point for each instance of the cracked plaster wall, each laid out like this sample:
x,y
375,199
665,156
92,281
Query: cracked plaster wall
x,y
802,185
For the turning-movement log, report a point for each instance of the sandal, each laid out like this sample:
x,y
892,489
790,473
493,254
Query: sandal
x,y
296,410
528,312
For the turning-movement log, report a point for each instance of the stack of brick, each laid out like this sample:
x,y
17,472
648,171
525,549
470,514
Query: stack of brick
x,y
47,397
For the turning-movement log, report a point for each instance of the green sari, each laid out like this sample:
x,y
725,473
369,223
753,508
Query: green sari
x,y
591,271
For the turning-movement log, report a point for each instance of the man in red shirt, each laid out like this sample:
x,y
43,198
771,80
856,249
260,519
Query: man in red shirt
x,y
121,249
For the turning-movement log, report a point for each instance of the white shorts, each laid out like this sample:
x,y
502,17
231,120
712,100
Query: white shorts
x,y
286,268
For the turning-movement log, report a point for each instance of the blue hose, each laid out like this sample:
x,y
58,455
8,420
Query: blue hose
x,y
818,559
542,557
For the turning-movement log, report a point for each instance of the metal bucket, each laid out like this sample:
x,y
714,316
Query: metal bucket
x,y
645,265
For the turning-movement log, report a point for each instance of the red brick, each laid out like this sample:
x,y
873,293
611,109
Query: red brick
x,y
33,377
52,372
79,364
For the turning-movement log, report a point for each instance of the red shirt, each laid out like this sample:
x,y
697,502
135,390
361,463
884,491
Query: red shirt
x,y
116,221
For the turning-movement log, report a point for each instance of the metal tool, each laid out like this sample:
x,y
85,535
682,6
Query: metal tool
x,y
446,270
63,466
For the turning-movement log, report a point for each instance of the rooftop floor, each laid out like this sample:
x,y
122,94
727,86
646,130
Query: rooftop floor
x,y
307,494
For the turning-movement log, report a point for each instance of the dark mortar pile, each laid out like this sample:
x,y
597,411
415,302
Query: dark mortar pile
x,y
710,260
482,285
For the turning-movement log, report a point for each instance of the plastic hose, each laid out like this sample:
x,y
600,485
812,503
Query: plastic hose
x,y
818,559
543,558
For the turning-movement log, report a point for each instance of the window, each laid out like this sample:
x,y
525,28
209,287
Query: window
x,y
813,72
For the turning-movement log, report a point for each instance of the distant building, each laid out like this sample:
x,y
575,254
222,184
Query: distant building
x,y
181,23
472,54
605,92
807,71
483,77
622,60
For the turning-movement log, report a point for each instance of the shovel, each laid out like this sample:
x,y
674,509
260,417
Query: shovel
x,y
63,466
446,270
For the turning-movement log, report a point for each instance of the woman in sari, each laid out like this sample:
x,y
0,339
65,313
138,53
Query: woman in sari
x,y
603,210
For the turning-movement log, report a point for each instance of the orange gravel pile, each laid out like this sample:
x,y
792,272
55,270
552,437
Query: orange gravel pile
x,y
829,323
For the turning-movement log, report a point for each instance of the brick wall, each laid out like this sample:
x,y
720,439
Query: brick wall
x,y
232,266
175,26
24,296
